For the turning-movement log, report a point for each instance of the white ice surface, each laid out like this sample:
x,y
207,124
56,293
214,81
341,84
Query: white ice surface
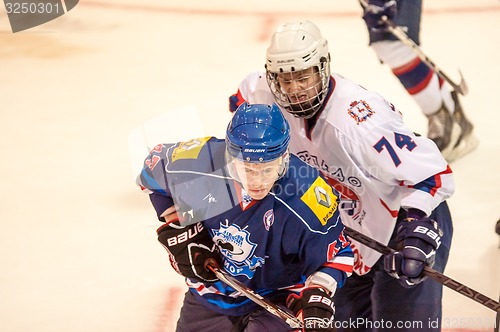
x,y
78,250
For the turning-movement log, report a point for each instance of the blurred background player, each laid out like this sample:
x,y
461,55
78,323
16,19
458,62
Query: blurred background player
x,y
394,183
246,206
448,126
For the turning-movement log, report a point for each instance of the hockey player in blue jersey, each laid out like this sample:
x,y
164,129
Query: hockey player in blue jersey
x,y
268,218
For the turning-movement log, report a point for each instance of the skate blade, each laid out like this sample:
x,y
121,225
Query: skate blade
x,y
466,146
455,134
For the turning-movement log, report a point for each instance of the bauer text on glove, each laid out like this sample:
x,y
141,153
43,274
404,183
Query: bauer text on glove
x,y
418,240
314,307
189,247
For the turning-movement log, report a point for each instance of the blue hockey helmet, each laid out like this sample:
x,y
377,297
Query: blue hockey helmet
x,y
257,133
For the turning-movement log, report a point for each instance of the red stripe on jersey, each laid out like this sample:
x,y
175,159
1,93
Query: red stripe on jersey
x,y
345,191
339,266
439,183
332,250
437,179
239,98
394,213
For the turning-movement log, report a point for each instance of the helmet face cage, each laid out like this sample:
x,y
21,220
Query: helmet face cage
x,y
298,68
315,92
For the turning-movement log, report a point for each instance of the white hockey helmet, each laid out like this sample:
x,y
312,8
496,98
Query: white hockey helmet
x,y
296,47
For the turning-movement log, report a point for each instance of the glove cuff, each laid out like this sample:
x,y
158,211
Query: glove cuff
x,y
323,280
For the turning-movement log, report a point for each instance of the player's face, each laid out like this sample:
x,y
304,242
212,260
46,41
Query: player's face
x,y
301,87
258,178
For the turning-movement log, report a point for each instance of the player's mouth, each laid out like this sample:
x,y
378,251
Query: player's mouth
x,y
298,99
257,192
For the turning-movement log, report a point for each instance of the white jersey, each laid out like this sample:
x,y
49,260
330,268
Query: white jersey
x,y
369,155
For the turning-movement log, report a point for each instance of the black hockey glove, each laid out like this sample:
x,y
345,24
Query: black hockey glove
x,y
314,307
189,247
418,240
375,10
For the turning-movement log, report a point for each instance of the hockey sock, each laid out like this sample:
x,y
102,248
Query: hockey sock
x,y
419,80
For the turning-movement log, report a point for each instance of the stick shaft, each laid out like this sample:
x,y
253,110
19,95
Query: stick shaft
x,y
461,88
290,319
428,271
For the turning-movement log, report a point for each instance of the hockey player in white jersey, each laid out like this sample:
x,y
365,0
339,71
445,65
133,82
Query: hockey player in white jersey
x,y
393,182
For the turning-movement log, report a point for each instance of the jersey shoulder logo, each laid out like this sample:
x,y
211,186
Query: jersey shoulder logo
x,y
321,200
154,156
360,111
190,149
268,219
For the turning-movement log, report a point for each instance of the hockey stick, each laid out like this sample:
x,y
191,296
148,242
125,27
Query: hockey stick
x,y
431,273
461,88
290,319
497,325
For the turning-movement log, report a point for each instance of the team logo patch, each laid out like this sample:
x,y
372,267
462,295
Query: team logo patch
x,y
360,111
349,201
237,249
190,149
268,219
321,200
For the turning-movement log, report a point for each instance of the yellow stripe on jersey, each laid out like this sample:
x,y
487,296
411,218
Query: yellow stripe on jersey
x,y
190,149
321,200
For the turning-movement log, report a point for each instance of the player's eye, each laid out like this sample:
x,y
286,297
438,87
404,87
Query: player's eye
x,y
268,170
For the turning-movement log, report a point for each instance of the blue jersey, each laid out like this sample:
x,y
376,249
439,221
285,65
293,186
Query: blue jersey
x,y
270,245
